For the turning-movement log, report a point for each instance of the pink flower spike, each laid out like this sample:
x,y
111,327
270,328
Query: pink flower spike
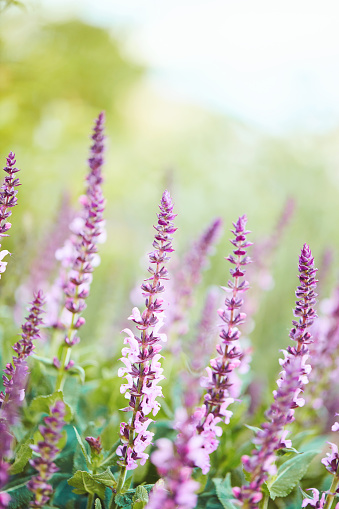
x,y
141,357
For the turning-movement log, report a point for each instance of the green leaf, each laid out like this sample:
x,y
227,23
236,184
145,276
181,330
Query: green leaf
x,y
253,428
289,474
42,404
140,498
20,495
23,454
106,478
98,504
83,449
44,360
224,491
83,483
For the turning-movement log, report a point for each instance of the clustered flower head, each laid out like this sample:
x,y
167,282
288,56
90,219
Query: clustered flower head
x,y
217,398
47,451
175,463
141,357
291,383
8,200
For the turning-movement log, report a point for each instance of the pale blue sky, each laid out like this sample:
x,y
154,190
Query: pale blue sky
x,y
271,63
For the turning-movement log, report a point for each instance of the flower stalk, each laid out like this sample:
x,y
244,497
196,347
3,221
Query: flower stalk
x,y
142,368
217,398
84,256
291,383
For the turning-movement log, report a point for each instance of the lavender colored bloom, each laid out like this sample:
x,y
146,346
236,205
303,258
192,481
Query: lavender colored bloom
x,y
14,380
24,347
47,451
8,200
331,461
95,444
175,463
314,502
80,253
217,398
291,383
141,357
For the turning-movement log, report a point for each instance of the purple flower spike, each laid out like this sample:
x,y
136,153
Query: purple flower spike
x,y
24,347
8,200
217,383
175,463
291,383
141,358
79,254
47,451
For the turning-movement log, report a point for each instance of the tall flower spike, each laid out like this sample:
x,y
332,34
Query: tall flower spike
x,y
14,381
175,463
141,358
81,254
24,347
8,200
217,382
47,451
291,383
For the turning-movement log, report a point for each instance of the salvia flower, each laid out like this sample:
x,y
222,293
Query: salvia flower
x,y
175,463
25,346
217,398
9,417
141,357
8,200
287,397
14,381
314,501
81,252
47,451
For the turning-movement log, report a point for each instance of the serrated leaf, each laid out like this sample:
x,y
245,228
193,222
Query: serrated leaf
x,y
224,492
98,504
124,500
106,478
83,483
23,454
140,498
289,474
83,449
42,404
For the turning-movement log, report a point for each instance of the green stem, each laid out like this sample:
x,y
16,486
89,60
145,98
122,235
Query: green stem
x,y
264,502
90,501
333,489
120,485
65,358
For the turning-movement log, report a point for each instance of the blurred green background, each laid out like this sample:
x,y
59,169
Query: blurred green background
x,y
55,77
